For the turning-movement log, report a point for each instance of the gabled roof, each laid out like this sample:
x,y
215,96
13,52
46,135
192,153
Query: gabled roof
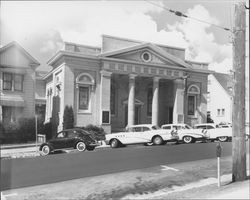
x,y
22,50
226,81
154,48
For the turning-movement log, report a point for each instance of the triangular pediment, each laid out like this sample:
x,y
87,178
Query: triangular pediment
x,y
14,55
139,55
155,55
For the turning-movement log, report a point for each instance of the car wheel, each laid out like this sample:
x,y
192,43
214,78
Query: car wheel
x,y
157,140
81,146
91,148
148,144
187,139
114,143
223,138
46,150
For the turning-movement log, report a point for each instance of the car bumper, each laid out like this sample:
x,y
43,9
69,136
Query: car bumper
x,y
94,144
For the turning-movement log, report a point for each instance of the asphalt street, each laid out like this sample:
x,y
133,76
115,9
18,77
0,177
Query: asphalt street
x,y
23,172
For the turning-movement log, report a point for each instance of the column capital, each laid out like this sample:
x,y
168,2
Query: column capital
x,y
156,78
105,73
132,76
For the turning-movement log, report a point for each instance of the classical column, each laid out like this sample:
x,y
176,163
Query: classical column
x,y
1,113
131,100
105,100
178,111
155,101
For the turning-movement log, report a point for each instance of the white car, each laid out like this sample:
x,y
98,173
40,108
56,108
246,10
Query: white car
x,y
215,132
140,134
185,132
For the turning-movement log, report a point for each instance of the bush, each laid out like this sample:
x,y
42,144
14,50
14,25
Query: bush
x,y
27,129
47,130
96,131
68,117
10,133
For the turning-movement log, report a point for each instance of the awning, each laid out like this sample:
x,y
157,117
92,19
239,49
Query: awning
x,y
13,103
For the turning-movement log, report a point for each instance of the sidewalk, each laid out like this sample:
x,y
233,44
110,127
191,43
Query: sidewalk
x,y
26,150
189,180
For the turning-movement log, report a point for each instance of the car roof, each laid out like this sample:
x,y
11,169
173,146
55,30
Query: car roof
x,y
180,124
140,125
205,124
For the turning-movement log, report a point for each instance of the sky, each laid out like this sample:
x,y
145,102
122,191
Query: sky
x,y
41,27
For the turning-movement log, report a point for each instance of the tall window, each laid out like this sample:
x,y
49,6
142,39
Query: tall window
x,y
12,82
193,92
149,101
83,98
191,105
84,84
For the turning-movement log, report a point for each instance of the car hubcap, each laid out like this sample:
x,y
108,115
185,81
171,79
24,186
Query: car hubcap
x,y
80,146
46,150
157,140
187,139
113,143
223,139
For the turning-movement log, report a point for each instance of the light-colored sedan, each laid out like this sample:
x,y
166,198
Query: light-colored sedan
x,y
140,134
186,133
215,132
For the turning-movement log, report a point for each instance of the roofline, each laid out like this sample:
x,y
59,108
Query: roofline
x,y
61,53
153,47
140,41
205,63
82,45
35,62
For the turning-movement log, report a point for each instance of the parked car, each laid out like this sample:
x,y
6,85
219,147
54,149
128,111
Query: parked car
x,y
140,134
215,132
206,126
186,133
69,138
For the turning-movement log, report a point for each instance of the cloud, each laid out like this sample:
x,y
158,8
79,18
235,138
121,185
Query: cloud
x,y
223,67
42,27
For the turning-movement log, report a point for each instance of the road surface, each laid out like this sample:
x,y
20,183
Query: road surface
x,y
23,172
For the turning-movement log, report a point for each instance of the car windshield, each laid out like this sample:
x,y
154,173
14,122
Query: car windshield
x,y
155,127
188,127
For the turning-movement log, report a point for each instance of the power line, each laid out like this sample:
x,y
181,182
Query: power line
x,y
180,14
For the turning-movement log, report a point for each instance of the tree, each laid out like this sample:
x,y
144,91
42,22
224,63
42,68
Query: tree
x,y
68,117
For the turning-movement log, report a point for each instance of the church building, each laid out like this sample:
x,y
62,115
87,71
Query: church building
x,y
126,82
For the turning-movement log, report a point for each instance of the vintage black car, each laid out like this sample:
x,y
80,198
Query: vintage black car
x,y
70,138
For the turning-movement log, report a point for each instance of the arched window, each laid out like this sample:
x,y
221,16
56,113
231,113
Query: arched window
x,y
193,91
85,84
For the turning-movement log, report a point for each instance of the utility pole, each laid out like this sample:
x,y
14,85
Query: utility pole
x,y
238,115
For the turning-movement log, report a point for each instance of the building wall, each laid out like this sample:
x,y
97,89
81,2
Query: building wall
x,y
219,99
18,64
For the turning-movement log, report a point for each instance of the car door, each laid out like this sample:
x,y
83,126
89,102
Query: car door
x,y
71,139
59,141
134,136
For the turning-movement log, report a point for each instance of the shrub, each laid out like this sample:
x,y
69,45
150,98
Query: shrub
x,y
47,130
68,117
96,131
11,133
27,129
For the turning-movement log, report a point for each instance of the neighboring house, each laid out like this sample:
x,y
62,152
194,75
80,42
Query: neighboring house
x,y
220,87
220,98
18,84
126,82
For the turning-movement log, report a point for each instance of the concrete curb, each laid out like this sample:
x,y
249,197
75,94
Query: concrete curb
x,y
19,146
